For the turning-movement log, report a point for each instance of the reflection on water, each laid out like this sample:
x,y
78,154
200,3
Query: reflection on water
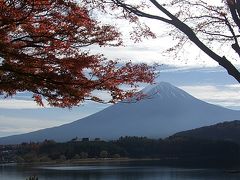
x,y
122,171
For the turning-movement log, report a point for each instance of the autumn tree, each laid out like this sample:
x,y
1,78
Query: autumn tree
x,y
44,49
212,26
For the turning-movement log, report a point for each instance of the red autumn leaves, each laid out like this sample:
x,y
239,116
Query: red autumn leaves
x,y
41,51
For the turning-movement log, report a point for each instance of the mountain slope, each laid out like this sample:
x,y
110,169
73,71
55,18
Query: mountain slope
x,y
229,131
167,111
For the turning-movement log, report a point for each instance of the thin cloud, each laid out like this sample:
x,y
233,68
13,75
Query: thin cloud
x,y
225,95
20,104
15,125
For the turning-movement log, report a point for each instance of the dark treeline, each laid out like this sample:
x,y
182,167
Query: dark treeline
x,y
171,149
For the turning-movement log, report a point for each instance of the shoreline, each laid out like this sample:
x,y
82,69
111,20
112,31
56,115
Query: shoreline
x,y
85,161
170,162
89,161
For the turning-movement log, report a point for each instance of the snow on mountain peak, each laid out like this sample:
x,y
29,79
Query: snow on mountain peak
x,y
165,90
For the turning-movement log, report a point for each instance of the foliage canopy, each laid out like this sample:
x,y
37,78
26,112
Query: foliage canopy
x,y
43,50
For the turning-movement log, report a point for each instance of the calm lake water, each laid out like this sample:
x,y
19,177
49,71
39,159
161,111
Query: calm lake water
x,y
116,171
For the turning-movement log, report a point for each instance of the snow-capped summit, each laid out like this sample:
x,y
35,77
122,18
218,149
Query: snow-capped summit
x,y
168,110
165,90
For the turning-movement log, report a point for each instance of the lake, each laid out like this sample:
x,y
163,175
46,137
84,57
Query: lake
x,y
114,171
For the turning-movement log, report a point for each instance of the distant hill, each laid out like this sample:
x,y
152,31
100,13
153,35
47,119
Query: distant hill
x,y
229,131
168,110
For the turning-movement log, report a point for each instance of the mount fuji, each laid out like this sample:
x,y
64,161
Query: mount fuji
x,y
168,110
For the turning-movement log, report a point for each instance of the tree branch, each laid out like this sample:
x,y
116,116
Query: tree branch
x,y
222,61
140,13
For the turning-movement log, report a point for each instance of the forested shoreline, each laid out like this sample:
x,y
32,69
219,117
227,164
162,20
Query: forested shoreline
x,y
175,149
